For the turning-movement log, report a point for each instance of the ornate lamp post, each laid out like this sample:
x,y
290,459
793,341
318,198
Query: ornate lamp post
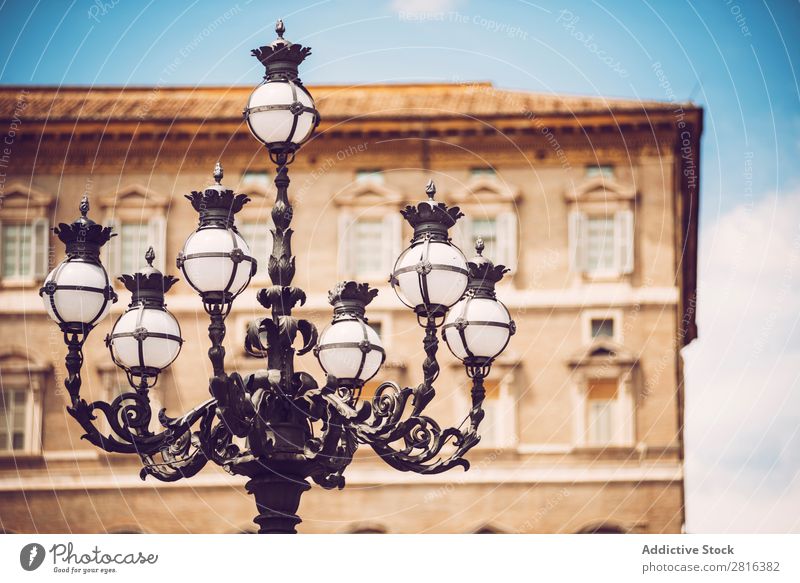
x,y
293,428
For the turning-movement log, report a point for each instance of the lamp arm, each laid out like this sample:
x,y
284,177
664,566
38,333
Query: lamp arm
x,y
128,416
420,437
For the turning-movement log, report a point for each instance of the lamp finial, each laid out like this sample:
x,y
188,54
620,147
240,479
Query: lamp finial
x,y
84,206
150,256
218,173
430,189
280,28
479,246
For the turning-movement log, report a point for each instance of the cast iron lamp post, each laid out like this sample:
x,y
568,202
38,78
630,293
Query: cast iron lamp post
x,y
278,426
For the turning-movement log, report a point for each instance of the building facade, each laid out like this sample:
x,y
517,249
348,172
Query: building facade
x,y
591,203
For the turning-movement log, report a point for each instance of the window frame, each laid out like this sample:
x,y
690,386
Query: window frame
x,y
624,243
135,204
611,407
606,171
23,205
613,314
22,372
625,405
11,430
488,197
370,200
369,175
596,197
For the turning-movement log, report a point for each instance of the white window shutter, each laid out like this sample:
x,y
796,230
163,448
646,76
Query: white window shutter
x,y
392,240
40,248
623,226
113,251
345,236
461,236
157,238
576,233
507,240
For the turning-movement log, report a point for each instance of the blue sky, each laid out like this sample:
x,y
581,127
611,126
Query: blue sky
x,y
737,59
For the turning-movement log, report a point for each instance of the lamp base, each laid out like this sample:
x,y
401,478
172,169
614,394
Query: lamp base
x,y
277,500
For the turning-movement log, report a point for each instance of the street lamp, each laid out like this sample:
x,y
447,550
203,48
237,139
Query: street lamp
x,y
278,426
146,339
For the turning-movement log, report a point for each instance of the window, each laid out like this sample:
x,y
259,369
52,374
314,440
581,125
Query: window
x,y
482,171
258,178
259,238
24,249
607,378
367,237
138,217
17,243
601,405
13,419
125,252
601,244
369,245
132,246
602,328
24,234
499,234
604,170
369,175
23,382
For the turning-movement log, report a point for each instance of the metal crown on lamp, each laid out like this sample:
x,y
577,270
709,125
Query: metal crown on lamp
x,y
350,349
146,339
77,293
278,426
280,112
477,329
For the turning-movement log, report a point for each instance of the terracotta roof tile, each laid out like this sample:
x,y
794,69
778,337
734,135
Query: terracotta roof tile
x,y
334,102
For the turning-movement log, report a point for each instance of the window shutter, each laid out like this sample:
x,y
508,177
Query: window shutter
x,y
462,236
345,237
112,248
40,248
157,236
577,241
392,240
507,240
623,226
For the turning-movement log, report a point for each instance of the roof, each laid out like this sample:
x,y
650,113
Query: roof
x,y
437,100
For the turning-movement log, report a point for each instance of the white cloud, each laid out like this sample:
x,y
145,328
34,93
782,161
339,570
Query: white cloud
x,y
743,378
